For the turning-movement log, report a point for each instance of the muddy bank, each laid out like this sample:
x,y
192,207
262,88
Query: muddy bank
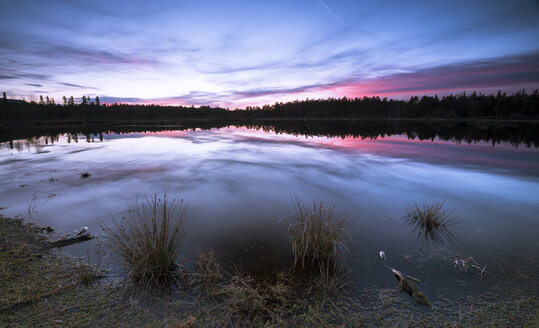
x,y
40,287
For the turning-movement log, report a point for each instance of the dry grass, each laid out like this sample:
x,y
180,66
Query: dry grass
x,y
244,301
431,221
188,323
332,279
150,239
208,273
317,236
88,273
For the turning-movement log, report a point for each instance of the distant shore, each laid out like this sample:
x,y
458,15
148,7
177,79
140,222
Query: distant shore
x,y
513,131
242,121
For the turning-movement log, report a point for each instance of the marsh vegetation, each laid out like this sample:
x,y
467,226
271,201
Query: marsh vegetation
x,y
150,239
431,222
317,235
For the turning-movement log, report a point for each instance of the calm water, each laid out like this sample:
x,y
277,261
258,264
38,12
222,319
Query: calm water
x,y
239,183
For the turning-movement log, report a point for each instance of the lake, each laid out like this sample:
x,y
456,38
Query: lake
x,y
240,182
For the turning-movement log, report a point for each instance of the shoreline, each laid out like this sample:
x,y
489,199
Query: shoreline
x,y
243,120
51,294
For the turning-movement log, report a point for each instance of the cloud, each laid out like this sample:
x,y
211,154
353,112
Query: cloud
x,y
93,56
510,71
25,50
22,75
77,86
493,73
129,100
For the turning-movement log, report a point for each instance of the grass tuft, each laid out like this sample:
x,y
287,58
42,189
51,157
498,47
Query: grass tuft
x,y
88,272
332,279
317,236
150,239
208,273
431,221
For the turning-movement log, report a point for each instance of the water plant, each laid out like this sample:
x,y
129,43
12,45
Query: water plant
x,y
150,239
316,234
431,220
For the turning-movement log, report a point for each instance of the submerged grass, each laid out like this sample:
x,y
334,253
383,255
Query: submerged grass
x,y
431,221
317,235
150,239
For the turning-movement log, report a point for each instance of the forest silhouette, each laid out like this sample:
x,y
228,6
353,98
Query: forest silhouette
x,y
517,134
519,105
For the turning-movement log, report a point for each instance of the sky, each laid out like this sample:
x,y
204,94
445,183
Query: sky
x,y
242,53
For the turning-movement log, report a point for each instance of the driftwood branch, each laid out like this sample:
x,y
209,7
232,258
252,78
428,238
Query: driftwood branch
x,y
65,241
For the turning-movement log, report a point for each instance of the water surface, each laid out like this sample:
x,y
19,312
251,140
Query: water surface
x,y
239,183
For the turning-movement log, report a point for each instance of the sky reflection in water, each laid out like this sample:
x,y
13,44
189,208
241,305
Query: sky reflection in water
x,y
239,183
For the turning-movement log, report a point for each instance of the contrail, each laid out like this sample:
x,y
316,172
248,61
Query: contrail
x,y
331,13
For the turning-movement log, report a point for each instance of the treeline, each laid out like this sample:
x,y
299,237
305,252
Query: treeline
x,y
474,105
517,134
18,111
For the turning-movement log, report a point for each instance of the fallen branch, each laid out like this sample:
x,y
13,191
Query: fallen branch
x,y
409,287
65,241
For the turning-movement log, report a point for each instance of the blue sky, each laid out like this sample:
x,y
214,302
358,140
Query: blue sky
x,y
239,53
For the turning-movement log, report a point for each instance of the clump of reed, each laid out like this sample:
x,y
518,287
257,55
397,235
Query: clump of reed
x,y
209,273
431,220
150,239
317,235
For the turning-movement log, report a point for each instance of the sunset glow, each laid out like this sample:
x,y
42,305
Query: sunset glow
x,y
237,54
